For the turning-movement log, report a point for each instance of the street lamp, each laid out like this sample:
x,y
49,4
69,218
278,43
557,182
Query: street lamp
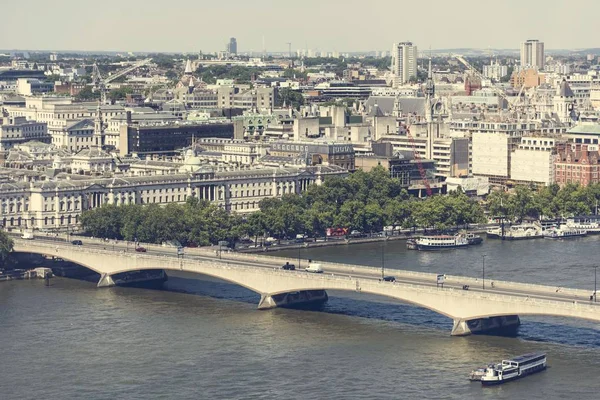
x,y
299,248
595,280
382,261
483,269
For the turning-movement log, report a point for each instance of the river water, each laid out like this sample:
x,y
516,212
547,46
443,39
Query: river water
x,y
204,339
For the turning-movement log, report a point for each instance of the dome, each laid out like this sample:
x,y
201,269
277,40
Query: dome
x,y
193,161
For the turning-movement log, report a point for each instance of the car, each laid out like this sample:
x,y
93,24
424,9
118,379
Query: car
x,y
77,243
389,278
288,266
140,249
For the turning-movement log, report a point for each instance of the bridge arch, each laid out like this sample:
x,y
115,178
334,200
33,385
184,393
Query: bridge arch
x,y
204,273
403,299
63,257
458,305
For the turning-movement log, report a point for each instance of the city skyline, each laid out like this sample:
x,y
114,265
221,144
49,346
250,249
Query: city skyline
x,y
146,27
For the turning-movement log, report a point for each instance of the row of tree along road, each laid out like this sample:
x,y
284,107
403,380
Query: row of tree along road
x,y
365,202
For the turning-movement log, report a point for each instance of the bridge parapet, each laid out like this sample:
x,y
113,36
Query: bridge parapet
x,y
460,305
126,261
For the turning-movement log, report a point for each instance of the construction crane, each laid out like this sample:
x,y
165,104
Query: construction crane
x,y
101,84
496,89
289,49
417,157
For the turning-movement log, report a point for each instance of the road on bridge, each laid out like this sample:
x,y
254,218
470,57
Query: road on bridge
x,y
368,273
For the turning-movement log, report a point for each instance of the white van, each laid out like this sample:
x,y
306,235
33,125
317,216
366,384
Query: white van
x,y
314,268
27,235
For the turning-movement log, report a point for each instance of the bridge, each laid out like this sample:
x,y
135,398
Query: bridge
x,y
476,310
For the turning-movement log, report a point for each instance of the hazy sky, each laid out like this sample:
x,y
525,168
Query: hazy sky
x,y
327,25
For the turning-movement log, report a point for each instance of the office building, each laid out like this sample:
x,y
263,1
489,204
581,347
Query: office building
x,y
532,54
16,130
533,161
168,138
404,62
232,46
317,153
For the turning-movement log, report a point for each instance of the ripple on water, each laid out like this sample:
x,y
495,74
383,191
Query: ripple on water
x,y
205,339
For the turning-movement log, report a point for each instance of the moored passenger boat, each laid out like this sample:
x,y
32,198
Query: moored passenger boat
x,y
516,232
514,368
588,223
438,242
564,232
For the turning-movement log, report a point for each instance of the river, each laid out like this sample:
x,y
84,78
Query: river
x,y
203,339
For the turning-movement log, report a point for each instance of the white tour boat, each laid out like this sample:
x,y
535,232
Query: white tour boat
x,y
514,368
516,232
438,242
589,223
564,232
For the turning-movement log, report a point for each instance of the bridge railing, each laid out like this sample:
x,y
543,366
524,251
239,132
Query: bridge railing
x,y
371,285
451,279
353,268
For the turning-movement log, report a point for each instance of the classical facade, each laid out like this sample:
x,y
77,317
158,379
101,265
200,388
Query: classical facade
x,y
58,204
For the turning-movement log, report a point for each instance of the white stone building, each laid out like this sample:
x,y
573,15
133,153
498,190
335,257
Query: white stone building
x,y
533,161
404,62
492,154
58,204
532,54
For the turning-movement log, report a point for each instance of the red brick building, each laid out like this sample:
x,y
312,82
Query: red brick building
x,y
575,163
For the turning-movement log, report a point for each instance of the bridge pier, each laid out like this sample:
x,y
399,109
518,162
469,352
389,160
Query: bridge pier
x,y
301,299
503,326
106,280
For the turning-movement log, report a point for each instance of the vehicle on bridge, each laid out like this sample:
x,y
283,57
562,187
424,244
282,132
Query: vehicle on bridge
x,y
388,278
289,267
314,268
27,235
140,249
77,242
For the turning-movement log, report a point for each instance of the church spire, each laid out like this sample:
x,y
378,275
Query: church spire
x,y
99,127
188,67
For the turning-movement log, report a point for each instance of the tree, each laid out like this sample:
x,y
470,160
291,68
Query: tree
x,y
120,93
289,97
87,93
6,247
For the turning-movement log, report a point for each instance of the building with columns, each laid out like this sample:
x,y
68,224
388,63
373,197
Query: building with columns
x,y
58,204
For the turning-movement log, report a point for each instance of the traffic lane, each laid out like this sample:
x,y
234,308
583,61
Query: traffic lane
x,y
524,294
372,275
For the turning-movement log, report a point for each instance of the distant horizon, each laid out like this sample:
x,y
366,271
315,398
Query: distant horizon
x,y
188,26
421,51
